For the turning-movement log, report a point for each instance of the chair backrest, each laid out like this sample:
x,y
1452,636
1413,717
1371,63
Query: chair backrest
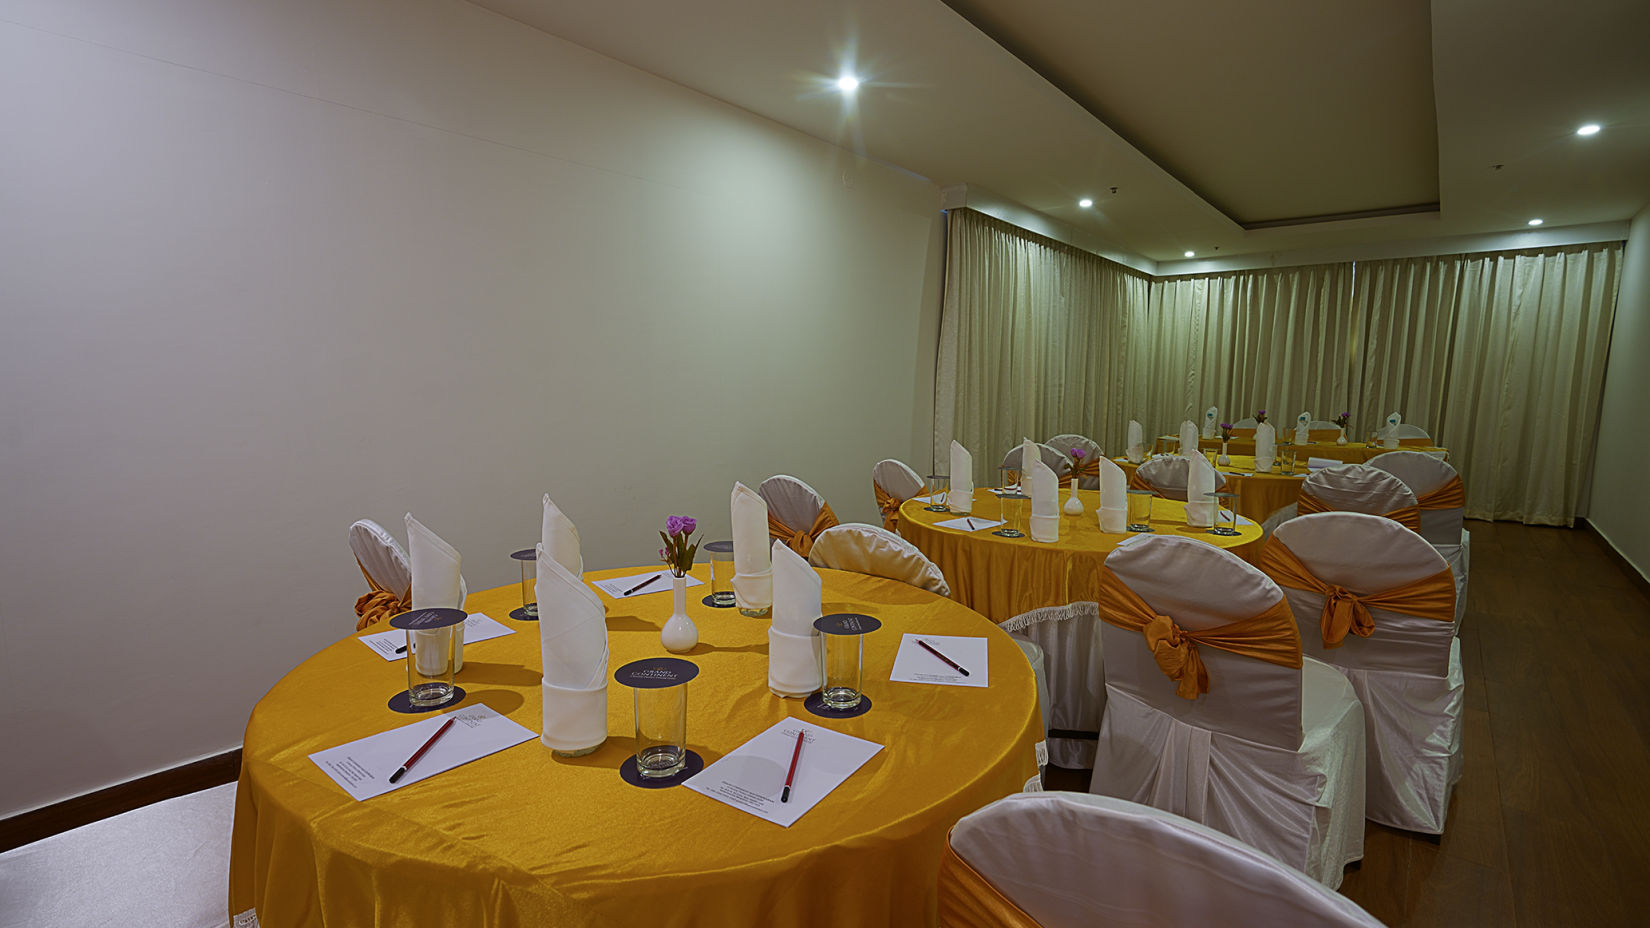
x,y
1319,430
1358,488
1069,636
873,550
1167,476
1368,555
1200,586
1065,442
1411,430
1426,474
1056,460
382,558
1074,860
1245,428
791,501
897,479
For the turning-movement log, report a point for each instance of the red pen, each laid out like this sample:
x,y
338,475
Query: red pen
x,y
785,794
420,752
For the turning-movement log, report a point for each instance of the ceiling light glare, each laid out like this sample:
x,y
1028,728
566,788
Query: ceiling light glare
x,y
847,83
1589,129
1536,222
1191,254
1085,202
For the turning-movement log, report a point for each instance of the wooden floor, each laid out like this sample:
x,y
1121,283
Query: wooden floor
x,y
1550,824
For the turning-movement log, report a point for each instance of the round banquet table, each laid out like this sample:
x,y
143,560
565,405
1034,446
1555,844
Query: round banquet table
x,y
1004,577
1356,452
1259,495
522,837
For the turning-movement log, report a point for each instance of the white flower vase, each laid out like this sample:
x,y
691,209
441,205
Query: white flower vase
x,y
1341,438
679,633
1224,458
1074,506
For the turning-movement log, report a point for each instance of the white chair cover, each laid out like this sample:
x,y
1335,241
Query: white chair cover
x,y
1358,488
1071,860
1444,528
873,550
1247,422
166,863
1168,475
791,501
1091,448
1408,430
1271,755
1074,687
382,557
1407,674
1056,460
897,479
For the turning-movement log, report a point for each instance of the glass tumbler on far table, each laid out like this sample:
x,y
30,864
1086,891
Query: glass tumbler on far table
x,y
1225,513
938,486
1140,510
844,657
721,574
661,730
1286,460
1012,502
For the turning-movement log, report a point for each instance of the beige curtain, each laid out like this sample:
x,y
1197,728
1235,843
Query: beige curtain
x,y
1501,358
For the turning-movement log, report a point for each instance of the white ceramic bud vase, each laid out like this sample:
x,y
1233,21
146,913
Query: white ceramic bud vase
x,y
1224,458
679,633
1341,438
1074,506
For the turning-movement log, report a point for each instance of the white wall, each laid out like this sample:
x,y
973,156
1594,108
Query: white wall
x,y
1620,508
270,267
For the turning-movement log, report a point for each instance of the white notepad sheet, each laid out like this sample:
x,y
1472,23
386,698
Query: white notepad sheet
x,y
478,626
969,524
751,777
912,664
616,586
363,767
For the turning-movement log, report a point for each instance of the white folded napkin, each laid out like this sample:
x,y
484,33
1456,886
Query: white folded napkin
x,y
752,571
1200,481
1188,438
1137,443
794,644
1114,498
961,497
1211,422
1266,447
573,656
1044,488
1389,435
1303,429
560,537
435,582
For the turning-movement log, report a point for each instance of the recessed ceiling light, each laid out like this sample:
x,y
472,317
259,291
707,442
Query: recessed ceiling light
x,y
847,83
1536,222
1191,254
1589,129
1085,202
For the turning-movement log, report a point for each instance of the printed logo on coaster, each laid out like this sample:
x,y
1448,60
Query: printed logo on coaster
x,y
421,620
656,673
847,623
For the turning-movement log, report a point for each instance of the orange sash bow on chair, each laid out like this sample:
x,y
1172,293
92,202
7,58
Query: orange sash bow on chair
x,y
1452,495
1137,482
1407,516
799,541
968,900
1270,636
1345,611
376,604
887,505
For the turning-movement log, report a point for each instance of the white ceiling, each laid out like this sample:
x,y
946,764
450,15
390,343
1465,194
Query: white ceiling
x,y
1249,112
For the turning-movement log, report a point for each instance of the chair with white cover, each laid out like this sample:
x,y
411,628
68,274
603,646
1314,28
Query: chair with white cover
x,y
1071,860
1088,472
1056,460
1320,430
1376,601
384,564
869,549
1442,499
1074,681
1356,488
1166,477
893,482
1213,713
1245,428
165,865
796,512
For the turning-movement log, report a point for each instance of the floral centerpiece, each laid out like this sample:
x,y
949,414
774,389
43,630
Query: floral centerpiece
x,y
1260,416
1074,506
1225,431
1341,421
1226,436
679,633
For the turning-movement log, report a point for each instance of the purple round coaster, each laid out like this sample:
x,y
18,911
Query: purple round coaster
x,y
401,702
653,673
816,705
520,615
525,554
629,773
709,601
422,620
847,623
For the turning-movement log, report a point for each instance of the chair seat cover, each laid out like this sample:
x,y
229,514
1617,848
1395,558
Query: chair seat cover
x,y
870,549
893,482
797,514
1166,476
1073,860
1074,678
1441,497
1056,459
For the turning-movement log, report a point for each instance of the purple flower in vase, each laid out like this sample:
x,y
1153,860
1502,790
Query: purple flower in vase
x,y
1079,453
679,525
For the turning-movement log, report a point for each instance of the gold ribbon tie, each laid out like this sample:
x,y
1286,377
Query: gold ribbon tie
x,y
1431,597
797,540
1452,495
888,506
1407,516
1176,656
377,603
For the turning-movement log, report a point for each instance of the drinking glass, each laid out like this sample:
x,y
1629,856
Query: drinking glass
x,y
1140,510
659,687
1225,511
529,609
1012,502
844,657
938,485
429,653
721,574
1286,460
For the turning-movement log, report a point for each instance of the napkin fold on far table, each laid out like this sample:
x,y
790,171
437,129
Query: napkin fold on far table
x,y
752,571
1114,498
1266,447
1043,485
961,497
794,644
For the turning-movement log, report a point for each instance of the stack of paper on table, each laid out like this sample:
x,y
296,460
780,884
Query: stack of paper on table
x,y
363,767
478,627
751,777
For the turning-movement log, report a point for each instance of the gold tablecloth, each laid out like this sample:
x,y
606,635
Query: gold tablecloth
x,y
1003,577
523,838
1351,453
1259,495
